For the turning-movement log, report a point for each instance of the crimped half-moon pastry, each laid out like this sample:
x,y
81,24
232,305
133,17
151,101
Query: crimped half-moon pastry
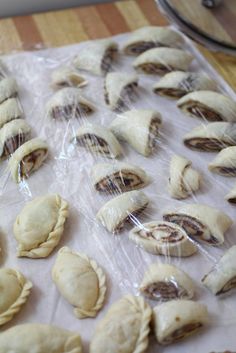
x,y
149,37
98,140
162,60
225,162
66,77
120,209
39,226
222,277
10,110
139,128
67,103
119,89
163,238
27,159
178,83
15,289
80,281
118,177
12,136
8,88
212,106
166,282
177,319
39,338
183,179
124,328
201,222
231,196
211,137
97,56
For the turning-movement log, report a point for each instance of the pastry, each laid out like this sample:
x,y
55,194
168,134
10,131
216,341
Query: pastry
x,y
222,277
27,159
124,328
165,282
178,83
163,238
150,37
208,105
178,319
98,140
139,128
159,61
39,338
65,77
211,137
225,162
118,177
12,136
231,196
15,289
8,88
39,226
119,89
97,56
80,281
123,208
183,179
10,110
201,222
68,103
2,70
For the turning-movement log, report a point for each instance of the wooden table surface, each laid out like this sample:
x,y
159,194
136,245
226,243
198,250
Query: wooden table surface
x,y
58,28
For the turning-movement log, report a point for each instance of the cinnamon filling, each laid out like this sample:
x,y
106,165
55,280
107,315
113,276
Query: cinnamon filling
x,y
170,92
206,144
230,171
228,286
153,68
31,162
108,58
119,182
164,291
201,111
12,143
163,233
183,332
70,111
131,218
141,47
93,142
127,94
153,132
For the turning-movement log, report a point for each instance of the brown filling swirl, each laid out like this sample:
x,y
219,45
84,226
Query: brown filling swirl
x,y
140,47
119,182
206,144
31,162
127,93
154,68
202,111
164,291
69,111
93,143
131,218
170,92
182,332
108,58
228,286
12,143
228,171
153,132
168,234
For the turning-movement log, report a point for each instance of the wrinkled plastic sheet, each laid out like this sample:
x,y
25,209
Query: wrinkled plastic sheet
x,y
67,172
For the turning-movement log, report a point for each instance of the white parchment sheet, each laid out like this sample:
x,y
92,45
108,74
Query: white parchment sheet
x,y
67,172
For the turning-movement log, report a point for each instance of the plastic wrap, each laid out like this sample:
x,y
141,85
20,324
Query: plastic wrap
x,y
67,171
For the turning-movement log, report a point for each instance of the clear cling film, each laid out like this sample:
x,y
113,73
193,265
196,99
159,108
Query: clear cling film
x,y
119,186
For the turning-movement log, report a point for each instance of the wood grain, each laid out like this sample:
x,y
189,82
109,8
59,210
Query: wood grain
x,y
65,27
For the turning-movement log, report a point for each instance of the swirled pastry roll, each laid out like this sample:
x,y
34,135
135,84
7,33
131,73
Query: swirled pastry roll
x,y
178,83
178,319
67,103
119,89
231,196
9,110
27,159
98,140
163,238
39,226
139,128
97,56
118,177
12,136
65,77
201,222
8,88
15,289
165,282
123,208
149,37
162,60
211,137
208,105
222,277
124,328
225,162
183,179
80,281
39,338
